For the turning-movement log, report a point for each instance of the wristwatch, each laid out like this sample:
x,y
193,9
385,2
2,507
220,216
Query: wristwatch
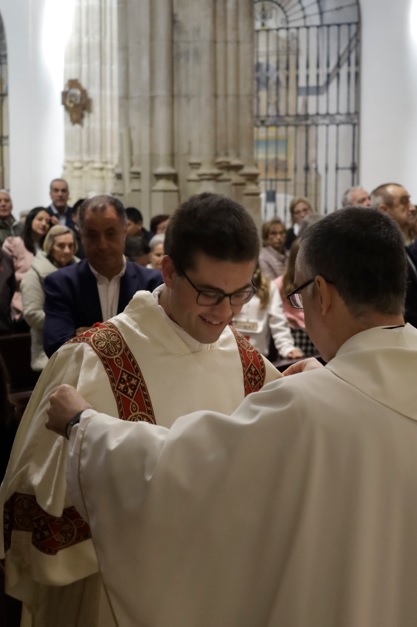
x,y
74,421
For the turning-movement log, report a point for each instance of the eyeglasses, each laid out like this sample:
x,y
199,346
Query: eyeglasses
x,y
209,298
295,296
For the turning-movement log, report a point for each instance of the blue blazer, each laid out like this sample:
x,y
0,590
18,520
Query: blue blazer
x,y
72,300
410,313
69,222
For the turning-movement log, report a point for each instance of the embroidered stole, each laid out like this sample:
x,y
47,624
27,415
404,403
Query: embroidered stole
x,y
51,534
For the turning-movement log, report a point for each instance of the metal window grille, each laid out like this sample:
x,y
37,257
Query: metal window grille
x,y
307,70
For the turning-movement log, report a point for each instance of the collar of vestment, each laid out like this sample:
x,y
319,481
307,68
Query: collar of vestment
x,y
381,363
194,345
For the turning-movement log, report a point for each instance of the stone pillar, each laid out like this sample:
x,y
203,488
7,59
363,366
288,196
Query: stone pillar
x,y
232,105
165,190
122,186
190,71
4,113
138,108
249,173
92,147
222,77
208,173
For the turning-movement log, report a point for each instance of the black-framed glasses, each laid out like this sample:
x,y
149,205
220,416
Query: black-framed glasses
x,y
295,296
209,298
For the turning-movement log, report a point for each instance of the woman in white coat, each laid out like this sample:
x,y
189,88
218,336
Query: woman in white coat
x,y
58,251
263,317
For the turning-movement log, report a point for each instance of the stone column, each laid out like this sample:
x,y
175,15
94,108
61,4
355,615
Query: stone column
x,y
180,101
222,82
4,113
122,186
164,190
208,173
91,57
249,173
233,90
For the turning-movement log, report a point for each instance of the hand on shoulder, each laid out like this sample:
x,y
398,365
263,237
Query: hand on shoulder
x,y
66,401
302,366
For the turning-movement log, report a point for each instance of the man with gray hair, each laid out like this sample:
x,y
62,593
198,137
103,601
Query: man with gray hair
x,y
102,284
59,210
394,199
8,224
300,508
356,196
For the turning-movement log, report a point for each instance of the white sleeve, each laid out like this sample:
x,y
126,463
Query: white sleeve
x,y
278,323
33,299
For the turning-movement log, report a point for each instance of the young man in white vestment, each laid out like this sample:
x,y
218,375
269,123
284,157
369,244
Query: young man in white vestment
x,y
169,353
300,508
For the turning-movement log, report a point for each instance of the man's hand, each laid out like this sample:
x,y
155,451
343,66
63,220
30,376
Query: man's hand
x,y
65,403
295,353
301,366
81,330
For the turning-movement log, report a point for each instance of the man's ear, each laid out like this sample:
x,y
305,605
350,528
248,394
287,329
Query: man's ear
x,y
168,270
326,294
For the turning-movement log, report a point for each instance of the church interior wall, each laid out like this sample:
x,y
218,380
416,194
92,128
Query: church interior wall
x,y
388,128
388,133
35,46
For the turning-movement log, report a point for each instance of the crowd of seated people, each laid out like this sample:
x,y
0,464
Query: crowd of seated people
x,y
58,251
22,249
30,254
111,269
43,280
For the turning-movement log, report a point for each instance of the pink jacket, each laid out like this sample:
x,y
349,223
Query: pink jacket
x,y
22,261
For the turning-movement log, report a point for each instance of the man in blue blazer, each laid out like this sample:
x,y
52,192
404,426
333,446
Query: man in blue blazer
x,y
102,284
59,210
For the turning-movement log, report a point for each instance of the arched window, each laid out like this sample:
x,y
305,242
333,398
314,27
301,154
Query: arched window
x,y
307,97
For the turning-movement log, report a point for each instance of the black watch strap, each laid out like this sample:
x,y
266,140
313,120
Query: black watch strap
x,y
74,421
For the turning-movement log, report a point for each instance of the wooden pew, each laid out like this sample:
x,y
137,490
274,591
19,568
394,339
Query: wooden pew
x,y
15,354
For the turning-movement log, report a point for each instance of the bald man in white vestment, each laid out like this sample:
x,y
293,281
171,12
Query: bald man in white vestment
x,y
299,509
169,353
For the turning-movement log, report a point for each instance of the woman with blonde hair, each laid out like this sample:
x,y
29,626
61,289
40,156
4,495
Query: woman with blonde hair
x,y
59,249
300,208
263,318
295,317
273,256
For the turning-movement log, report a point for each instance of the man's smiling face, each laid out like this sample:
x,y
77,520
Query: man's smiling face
x,y
205,323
